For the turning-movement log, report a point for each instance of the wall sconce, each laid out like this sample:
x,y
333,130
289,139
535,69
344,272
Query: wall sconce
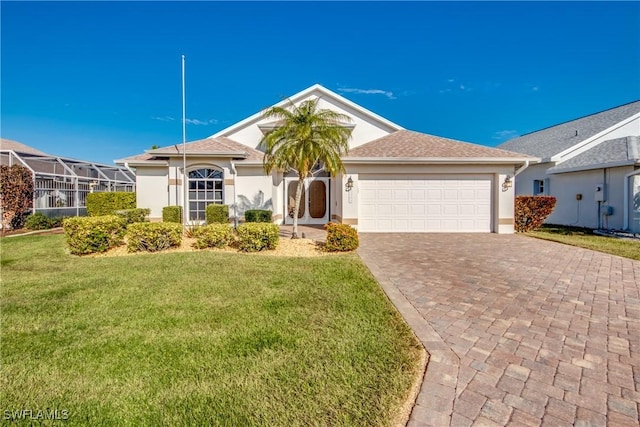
x,y
349,185
508,183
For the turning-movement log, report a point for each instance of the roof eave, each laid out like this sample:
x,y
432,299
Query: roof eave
x,y
232,154
442,160
594,166
141,162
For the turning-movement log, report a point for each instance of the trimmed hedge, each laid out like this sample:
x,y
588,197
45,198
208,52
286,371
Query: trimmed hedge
x,y
172,214
133,215
531,211
107,203
87,235
213,236
253,237
153,236
258,215
341,238
38,221
217,214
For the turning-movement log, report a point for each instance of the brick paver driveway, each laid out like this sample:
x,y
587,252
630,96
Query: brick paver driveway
x,y
520,331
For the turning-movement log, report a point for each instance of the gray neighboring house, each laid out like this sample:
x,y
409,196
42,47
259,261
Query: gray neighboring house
x,y
591,165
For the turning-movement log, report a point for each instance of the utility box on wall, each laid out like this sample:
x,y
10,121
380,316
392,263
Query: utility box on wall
x,y
599,197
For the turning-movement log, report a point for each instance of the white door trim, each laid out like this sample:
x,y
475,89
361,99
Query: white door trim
x,y
306,218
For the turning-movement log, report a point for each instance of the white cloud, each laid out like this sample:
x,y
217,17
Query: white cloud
x,y
201,122
163,119
451,80
506,134
386,93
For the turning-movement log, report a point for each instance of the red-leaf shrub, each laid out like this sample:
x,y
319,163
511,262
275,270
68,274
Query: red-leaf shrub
x,y
16,194
531,211
341,238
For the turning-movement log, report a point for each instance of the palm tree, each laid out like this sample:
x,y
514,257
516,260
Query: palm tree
x,y
305,137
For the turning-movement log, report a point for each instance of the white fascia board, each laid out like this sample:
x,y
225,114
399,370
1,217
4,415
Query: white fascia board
x,y
594,166
441,160
583,146
301,95
232,154
143,162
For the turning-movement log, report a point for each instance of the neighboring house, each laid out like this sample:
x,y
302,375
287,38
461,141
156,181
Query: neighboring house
x,y
61,184
396,180
591,165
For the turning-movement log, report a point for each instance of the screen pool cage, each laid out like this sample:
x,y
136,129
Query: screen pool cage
x,y
61,184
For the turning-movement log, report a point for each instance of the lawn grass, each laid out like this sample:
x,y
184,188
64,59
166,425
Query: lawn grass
x,y
584,238
201,338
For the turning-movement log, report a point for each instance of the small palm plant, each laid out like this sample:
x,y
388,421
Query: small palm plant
x,y
307,136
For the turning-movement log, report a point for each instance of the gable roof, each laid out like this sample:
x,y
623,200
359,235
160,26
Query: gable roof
x,y
18,147
210,147
319,91
614,152
410,145
553,140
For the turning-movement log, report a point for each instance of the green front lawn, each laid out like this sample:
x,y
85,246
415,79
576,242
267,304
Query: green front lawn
x,y
203,338
584,238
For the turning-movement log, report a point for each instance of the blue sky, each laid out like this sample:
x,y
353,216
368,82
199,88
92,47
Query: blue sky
x,y
101,81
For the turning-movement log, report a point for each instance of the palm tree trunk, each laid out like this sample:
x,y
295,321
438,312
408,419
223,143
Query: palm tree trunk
x,y
296,208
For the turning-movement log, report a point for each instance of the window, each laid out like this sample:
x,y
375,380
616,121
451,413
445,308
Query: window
x,y
205,188
538,187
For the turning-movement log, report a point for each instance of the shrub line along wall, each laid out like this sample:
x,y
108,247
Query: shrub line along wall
x,y
109,202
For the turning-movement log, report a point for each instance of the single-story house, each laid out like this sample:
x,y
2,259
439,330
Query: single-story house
x,y
591,165
396,180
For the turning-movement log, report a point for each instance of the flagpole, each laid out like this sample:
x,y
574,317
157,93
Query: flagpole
x,y
184,152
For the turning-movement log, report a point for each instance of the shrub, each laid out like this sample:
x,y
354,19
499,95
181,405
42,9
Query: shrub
x,y
133,215
190,229
341,238
172,214
86,235
57,221
217,214
153,236
213,236
254,237
16,195
109,202
38,221
257,215
531,211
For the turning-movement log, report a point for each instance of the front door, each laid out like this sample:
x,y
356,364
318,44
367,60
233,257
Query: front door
x,y
314,204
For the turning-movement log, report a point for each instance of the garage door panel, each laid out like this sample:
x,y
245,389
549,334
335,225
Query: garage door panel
x,y
423,203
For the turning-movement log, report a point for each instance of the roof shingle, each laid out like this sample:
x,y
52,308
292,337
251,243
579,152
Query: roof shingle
x,y
18,147
410,144
218,145
613,151
550,141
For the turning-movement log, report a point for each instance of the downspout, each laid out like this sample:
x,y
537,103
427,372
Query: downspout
x,y
235,204
627,200
521,168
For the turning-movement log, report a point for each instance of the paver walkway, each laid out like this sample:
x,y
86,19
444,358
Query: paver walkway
x,y
520,331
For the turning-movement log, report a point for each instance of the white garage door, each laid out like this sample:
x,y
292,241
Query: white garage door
x,y
424,203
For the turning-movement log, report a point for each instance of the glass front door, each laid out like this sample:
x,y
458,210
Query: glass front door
x,y
314,203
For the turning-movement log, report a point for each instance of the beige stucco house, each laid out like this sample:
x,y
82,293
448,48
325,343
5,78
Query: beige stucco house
x,y
396,180
591,165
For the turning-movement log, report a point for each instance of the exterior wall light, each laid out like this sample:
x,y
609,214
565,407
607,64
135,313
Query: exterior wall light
x,y
508,183
349,185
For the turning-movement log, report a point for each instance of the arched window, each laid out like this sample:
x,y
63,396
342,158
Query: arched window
x,y
205,187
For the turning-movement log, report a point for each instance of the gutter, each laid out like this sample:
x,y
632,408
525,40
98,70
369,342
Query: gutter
x,y
521,168
441,160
